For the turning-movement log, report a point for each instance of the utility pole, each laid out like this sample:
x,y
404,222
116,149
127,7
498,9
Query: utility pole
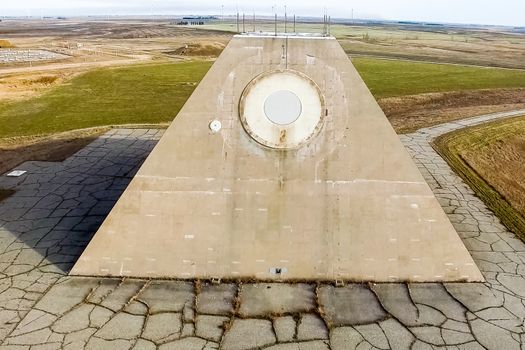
x,y
243,27
254,22
294,24
237,22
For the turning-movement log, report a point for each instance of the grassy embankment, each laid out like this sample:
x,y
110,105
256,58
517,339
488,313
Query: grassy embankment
x,y
136,94
415,95
393,78
489,158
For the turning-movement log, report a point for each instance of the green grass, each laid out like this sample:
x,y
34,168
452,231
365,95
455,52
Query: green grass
x,y
148,94
390,78
463,150
135,94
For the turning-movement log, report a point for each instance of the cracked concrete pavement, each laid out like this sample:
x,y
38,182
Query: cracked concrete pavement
x,y
57,208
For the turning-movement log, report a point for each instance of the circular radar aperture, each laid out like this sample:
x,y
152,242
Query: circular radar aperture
x,y
282,109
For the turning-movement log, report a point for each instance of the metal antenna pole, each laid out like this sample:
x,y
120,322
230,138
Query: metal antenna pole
x,y
243,21
285,19
275,24
325,21
329,25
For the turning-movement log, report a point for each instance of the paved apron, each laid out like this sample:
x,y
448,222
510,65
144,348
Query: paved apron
x,y
46,224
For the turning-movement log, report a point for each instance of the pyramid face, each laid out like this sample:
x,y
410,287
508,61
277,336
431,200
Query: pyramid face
x,y
281,165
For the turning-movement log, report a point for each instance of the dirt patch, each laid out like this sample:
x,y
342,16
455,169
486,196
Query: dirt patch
x,y
409,113
55,148
199,49
5,44
45,80
15,88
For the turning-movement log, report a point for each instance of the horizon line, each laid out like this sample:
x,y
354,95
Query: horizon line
x,y
152,16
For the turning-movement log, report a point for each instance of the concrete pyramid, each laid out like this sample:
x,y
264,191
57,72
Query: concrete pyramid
x,y
281,165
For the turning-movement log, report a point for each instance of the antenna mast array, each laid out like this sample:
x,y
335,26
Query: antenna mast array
x,y
285,18
326,23
265,22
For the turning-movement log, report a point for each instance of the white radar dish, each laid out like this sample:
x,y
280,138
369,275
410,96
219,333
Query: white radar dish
x,y
283,107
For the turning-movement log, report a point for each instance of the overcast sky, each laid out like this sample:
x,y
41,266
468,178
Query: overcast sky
x,y
506,12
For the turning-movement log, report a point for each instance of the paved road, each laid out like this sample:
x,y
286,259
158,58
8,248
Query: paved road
x,y
58,206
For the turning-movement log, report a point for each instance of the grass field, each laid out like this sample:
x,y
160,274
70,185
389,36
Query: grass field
x,y
491,47
390,78
135,94
340,31
489,158
148,94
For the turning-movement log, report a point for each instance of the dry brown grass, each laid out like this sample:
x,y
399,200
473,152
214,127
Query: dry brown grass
x,y
199,49
490,158
409,113
23,86
45,80
474,47
499,159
